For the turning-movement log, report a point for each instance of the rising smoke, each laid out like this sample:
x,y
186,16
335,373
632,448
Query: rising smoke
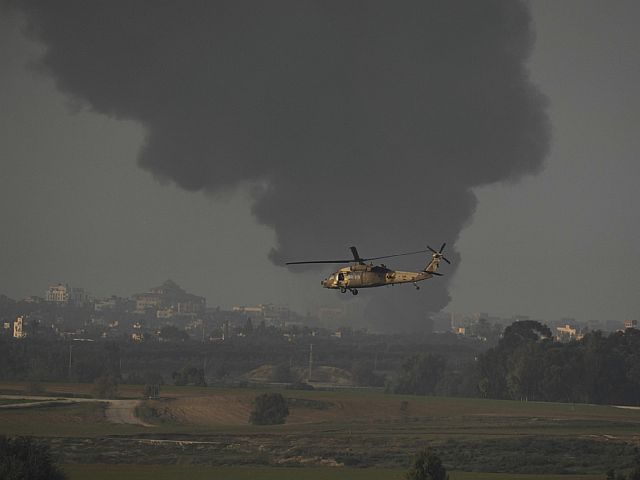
x,y
359,122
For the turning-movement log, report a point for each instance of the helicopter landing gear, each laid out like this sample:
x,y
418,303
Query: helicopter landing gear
x,y
343,290
416,285
354,291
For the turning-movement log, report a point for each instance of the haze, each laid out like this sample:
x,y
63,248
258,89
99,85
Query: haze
x,y
78,209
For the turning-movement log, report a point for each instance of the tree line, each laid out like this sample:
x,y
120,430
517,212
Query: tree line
x,y
527,364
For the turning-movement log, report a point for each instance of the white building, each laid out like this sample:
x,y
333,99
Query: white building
x,y
19,327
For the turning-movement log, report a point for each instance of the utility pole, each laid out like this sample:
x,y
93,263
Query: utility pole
x,y
69,374
204,365
310,360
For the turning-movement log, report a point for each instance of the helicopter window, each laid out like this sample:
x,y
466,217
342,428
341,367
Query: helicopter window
x,y
340,276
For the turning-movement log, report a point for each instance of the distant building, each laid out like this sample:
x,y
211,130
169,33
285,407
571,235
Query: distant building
x,y
58,293
567,333
33,299
137,337
78,296
331,316
269,313
110,303
62,293
20,327
170,296
165,312
630,324
226,330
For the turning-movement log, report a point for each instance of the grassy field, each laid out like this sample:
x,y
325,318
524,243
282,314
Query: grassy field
x,y
206,430
14,401
154,472
349,412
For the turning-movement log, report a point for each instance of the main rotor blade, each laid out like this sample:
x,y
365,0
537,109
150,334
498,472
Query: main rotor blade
x,y
320,261
396,255
358,259
446,260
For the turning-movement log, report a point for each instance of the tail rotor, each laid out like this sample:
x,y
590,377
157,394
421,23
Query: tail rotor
x,y
439,254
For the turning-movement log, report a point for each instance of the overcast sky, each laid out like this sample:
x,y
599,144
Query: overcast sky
x,y
565,242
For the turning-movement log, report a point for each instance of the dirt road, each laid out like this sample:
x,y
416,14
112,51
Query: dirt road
x,y
123,411
117,411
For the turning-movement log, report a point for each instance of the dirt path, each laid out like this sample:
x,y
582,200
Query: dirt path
x,y
117,411
123,411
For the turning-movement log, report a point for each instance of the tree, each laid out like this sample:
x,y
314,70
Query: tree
x,y
524,371
23,458
427,466
363,374
105,386
524,330
420,374
189,376
171,333
282,373
269,409
635,474
248,327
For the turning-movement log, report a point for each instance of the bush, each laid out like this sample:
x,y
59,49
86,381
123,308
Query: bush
x,y
23,458
282,373
189,375
269,409
151,391
427,466
105,386
363,374
420,374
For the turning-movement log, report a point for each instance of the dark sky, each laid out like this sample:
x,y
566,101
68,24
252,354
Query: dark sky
x,y
336,127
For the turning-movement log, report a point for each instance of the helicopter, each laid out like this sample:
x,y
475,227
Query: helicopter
x,y
363,275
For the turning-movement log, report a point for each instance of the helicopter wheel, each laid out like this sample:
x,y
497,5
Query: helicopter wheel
x,y
343,290
354,291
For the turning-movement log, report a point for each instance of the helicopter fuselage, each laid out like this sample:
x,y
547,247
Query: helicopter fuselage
x,y
368,276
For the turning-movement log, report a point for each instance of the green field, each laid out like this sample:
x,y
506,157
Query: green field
x,y
154,472
14,401
330,434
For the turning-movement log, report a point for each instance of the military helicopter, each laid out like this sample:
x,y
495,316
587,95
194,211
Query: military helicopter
x,y
363,275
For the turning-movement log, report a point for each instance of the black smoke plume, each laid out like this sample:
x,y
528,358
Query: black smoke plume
x,y
359,122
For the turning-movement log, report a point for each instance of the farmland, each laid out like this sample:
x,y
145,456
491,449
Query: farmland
x,y
206,430
144,472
